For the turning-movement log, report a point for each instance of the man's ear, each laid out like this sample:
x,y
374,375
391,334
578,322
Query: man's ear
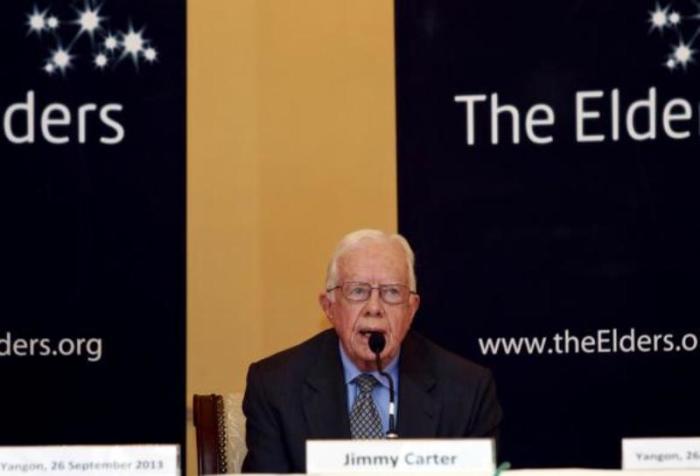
x,y
326,305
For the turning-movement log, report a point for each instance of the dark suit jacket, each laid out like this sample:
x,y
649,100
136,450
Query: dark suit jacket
x,y
300,394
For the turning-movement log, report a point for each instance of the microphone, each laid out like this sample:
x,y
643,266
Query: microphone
x,y
376,345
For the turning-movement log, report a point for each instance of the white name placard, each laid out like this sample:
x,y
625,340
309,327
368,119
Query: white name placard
x,y
96,460
401,455
661,453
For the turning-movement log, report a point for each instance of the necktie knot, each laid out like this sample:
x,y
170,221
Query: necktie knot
x,y
365,382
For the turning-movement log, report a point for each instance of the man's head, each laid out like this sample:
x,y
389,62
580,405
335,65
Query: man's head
x,y
370,287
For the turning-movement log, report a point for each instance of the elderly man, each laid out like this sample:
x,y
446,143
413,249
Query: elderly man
x,y
330,387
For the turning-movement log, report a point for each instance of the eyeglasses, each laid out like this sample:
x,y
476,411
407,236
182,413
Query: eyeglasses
x,y
361,292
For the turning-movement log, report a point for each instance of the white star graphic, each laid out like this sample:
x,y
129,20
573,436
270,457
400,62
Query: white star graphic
x,y
100,60
659,18
61,59
674,18
111,42
36,21
150,54
89,19
683,54
133,43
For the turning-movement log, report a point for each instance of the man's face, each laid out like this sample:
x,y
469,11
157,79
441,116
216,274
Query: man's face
x,y
376,263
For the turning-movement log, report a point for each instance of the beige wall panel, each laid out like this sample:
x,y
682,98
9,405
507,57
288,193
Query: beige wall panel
x,y
291,143
328,157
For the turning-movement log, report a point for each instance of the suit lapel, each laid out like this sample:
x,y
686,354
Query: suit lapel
x,y
324,396
419,410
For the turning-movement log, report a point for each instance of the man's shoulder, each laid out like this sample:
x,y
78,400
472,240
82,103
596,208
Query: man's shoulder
x,y
299,357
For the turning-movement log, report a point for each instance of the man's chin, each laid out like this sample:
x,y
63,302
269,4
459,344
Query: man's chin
x,y
367,361
368,365
364,360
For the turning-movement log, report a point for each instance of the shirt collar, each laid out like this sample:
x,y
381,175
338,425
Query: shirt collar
x,y
351,371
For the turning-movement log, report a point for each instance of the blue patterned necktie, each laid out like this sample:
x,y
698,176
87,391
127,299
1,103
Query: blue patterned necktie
x,y
364,417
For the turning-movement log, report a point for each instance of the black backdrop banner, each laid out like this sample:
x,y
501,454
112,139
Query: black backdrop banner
x,y
92,154
548,168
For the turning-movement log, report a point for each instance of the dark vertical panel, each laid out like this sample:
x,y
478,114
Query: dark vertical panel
x,y
93,234
522,240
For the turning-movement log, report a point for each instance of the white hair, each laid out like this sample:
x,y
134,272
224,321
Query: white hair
x,y
352,239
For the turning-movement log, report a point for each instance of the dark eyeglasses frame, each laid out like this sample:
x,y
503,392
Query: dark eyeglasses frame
x,y
380,288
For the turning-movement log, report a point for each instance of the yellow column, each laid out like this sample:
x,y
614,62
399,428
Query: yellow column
x,y
291,144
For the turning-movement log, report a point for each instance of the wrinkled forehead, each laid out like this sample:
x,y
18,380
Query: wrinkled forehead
x,y
372,260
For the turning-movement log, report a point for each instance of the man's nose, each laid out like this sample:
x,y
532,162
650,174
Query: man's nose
x,y
374,304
